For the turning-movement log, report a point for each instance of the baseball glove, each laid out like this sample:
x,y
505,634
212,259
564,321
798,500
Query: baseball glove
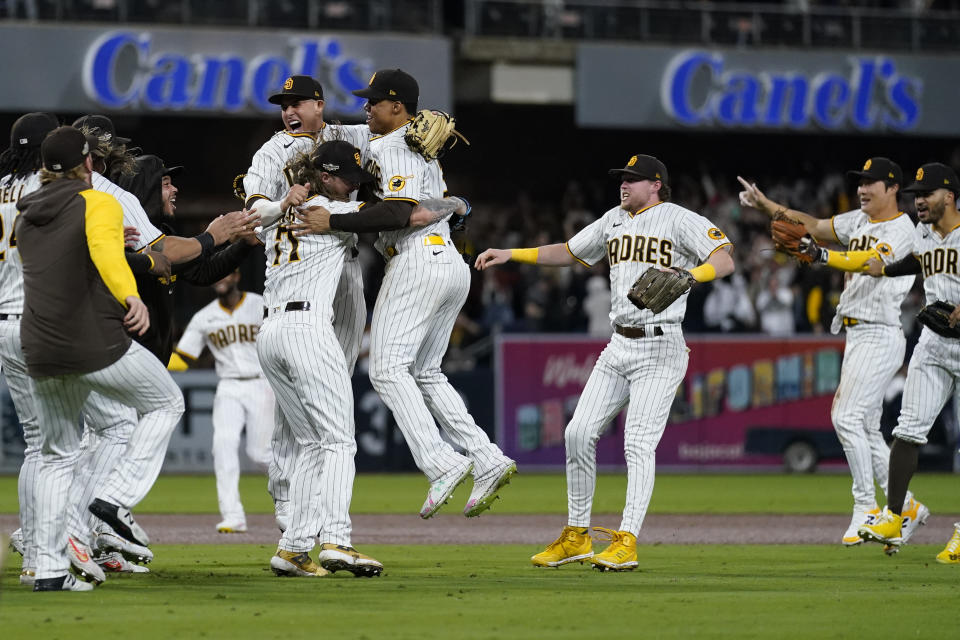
x,y
656,290
238,189
791,238
936,317
432,133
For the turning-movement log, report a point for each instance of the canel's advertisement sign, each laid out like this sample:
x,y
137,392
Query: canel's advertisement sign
x,y
765,90
204,71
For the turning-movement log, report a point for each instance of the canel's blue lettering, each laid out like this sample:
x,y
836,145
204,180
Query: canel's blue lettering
x,y
99,68
830,96
169,83
221,72
904,95
676,88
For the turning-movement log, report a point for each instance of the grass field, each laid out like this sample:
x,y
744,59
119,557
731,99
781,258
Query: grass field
x,y
546,493
455,591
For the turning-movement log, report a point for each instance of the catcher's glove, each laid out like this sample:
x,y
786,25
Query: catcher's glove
x,y
792,238
936,316
238,189
432,133
656,290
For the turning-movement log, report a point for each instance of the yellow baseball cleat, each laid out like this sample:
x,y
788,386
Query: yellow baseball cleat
x,y
887,529
951,553
573,545
915,515
621,555
296,564
861,516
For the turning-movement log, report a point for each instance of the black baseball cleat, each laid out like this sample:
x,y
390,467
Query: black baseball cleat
x,y
121,520
61,583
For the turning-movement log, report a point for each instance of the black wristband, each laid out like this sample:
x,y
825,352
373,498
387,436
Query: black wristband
x,y
908,266
206,243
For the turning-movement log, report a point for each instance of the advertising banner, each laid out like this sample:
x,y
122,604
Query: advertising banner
x,y
649,87
80,68
742,403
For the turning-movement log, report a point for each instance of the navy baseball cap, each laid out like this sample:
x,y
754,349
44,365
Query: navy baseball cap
x,y
933,176
31,128
395,85
643,166
879,168
65,148
342,159
298,87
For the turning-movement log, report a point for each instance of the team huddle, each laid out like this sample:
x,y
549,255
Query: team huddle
x,y
86,340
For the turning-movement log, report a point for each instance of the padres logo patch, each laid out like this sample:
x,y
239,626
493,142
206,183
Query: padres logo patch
x,y
288,84
867,164
884,249
356,156
920,173
633,161
397,182
716,234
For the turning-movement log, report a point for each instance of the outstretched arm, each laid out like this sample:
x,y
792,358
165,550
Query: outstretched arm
x,y
751,196
550,255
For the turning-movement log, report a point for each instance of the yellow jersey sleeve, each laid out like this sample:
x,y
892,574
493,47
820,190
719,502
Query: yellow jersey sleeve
x,y
104,229
851,261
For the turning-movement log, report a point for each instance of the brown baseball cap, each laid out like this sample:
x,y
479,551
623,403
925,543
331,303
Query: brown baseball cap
x,y
643,166
65,148
879,168
100,125
395,85
299,87
342,159
31,128
933,176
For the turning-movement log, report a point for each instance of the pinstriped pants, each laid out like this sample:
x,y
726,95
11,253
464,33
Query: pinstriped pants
x,y
137,379
642,374
932,378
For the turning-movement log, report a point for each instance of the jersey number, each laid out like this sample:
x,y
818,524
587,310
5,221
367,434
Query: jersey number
x,y
292,255
13,237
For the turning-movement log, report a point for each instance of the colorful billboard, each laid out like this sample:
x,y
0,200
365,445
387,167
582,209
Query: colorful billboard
x,y
744,401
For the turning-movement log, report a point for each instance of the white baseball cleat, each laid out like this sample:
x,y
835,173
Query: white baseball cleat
x,y
485,488
28,577
120,520
108,540
61,583
16,541
915,515
441,490
114,562
81,559
861,516
234,526
336,557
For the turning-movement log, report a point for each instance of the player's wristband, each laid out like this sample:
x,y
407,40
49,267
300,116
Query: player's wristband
x,y
206,243
152,263
526,256
704,273
465,203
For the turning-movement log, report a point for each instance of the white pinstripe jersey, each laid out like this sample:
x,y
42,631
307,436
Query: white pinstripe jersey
x,y
133,213
403,174
231,336
11,269
305,268
662,235
267,177
939,260
866,298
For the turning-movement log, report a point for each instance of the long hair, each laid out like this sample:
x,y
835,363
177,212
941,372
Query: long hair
x,y
79,172
19,163
302,170
118,161
664,193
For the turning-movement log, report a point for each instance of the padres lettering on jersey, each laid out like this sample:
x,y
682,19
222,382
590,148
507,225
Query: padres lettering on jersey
x,y
11,270
866,298
229,334
403,174
661,236
938,259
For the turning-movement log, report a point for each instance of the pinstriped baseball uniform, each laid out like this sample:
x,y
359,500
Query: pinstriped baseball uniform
x,y
11,355
244,398
425,286
304,363
642,373
874,350
935,365
267,178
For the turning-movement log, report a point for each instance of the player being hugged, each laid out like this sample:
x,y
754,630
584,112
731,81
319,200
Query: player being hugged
x,y
656,250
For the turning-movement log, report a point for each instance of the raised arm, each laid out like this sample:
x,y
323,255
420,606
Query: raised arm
x,y
751,196
549,255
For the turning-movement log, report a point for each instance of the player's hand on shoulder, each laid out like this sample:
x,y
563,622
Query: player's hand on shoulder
x,y
131,235
137,319
315,219
161,264
491,258
954,316
296,196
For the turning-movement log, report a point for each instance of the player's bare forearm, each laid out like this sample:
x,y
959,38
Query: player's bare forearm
x,y
550,255
752,196
178,249
722,261
434,210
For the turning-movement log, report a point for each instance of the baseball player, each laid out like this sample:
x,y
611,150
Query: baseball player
x,y
77,311
269,187
869,313
425,286
934,368
646,358
305,365
228,326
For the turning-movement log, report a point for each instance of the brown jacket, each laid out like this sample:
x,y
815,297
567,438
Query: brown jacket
x,y
71,322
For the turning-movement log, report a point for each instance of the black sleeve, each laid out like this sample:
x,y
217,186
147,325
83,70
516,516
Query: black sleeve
x,y
140,263
205,271
381,216
906,267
